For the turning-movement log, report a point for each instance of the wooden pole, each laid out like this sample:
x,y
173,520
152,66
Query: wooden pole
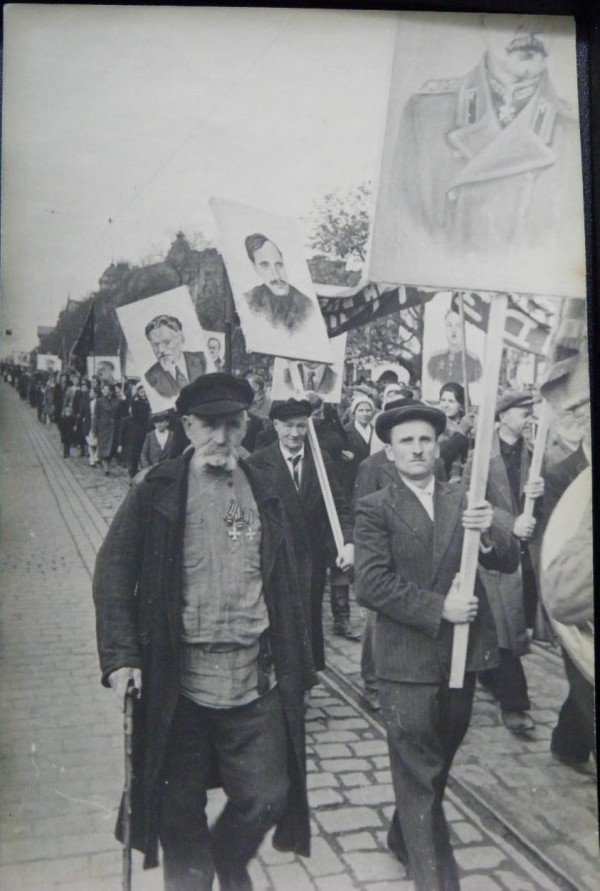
x,y
229,316
478,484
539,449
334,521
461,313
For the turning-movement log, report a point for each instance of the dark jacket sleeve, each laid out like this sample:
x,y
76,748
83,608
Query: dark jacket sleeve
x,y
505,553
379,583
342,505
116,576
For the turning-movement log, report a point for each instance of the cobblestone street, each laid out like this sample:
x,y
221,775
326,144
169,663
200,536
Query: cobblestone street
x,y
520,821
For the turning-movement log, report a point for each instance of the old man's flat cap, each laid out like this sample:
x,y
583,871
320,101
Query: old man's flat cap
x,y
215,394
408,410
514,399
291,408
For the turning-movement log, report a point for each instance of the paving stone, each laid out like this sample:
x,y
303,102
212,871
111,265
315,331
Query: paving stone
x,y
323,861
348,818
375,794
355,723
332,750
354,779
513,882
323,797
465,832
357,841
480,857
479,882
451,813
370,747
321,780
335,736
336,883
344,765
374,866
381,762
290,875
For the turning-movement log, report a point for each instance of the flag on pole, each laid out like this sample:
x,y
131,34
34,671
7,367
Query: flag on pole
x,y
84,346
347,308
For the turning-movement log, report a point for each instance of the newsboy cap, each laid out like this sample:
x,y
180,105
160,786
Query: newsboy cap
x,y
291,408
213,394
514,399
408,410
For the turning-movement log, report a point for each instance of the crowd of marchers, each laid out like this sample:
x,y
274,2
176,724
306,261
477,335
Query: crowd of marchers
x,y
210,585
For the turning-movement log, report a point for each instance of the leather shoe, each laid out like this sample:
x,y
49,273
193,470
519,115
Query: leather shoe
x,y
519,723
344,628
371,699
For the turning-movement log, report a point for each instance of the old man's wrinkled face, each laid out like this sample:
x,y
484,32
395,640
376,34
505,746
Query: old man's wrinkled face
x,y
217,440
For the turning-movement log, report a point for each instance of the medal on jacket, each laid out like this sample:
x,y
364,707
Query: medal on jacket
x,y
239,521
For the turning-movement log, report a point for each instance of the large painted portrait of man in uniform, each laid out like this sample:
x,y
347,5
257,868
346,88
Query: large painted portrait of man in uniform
x,y
481,165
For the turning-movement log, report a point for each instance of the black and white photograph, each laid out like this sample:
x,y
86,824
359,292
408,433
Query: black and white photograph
x,y
167,342
296,394
481,160
315,377
272,289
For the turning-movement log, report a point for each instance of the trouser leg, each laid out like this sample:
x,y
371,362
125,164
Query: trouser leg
x,y
367,656
251,745
573,738
183,830
425,725
511,684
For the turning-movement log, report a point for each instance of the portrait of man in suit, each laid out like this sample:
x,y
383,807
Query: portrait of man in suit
x,y
275,300
214,351
106,371
175,367
315,376
446,366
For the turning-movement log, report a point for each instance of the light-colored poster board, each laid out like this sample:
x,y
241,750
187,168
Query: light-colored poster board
x,y
47,362
272,289
106,368
316,377
167,344
442,350
215,350
481,158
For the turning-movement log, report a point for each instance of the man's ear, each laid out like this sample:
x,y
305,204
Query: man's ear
x,y
389,452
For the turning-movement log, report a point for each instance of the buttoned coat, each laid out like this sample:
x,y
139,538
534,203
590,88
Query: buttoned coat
x,y
405,566
475,185
310,532
505,589
165,384
137,594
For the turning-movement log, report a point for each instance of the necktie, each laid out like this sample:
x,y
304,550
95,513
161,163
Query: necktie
x,y
310,381
295,462
180,379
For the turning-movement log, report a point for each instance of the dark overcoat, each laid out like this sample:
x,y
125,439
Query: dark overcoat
x,y
137,594
312,539
405,566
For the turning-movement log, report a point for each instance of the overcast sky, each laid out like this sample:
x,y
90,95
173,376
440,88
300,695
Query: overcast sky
x,y
121,122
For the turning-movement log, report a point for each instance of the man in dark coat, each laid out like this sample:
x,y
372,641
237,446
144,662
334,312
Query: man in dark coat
x,y
409,539
290,465
175,367
198,606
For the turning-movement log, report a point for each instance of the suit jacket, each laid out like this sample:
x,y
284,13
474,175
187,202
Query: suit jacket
x,y
153,452
404,567
289,312
165,384
361,450
325,378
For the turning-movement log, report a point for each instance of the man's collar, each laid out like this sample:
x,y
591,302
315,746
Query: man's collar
x,y
287,454
419,490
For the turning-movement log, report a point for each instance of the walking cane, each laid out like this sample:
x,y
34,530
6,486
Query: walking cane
x,y
130,694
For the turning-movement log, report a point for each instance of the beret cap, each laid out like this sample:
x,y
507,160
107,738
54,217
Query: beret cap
x,y
514,399
290,408
215,394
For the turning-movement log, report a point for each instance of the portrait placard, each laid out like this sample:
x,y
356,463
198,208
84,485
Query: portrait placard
x,y
167,344
317,377
272,289
480,182
215,350
442,350
106,368
46,362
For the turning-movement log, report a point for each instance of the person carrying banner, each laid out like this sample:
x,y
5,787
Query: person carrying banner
x,y
197,602
289,462
409,539
513,596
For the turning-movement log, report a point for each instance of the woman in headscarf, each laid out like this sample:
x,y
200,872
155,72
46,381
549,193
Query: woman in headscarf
x,y
454,441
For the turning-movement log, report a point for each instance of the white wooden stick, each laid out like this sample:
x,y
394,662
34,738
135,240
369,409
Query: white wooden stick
x,y
334,521
479,476
539,448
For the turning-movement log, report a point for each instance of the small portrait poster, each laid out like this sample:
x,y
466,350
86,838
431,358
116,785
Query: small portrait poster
x,y
480,180
46,362
106,368
317,377
167,344
215,350
272,289
443,353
